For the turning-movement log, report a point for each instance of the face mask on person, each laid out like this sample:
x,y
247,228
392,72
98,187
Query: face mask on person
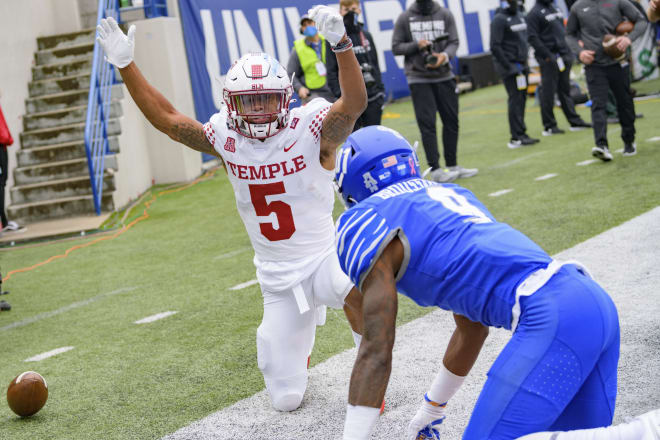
x,y
425,6
351,22
310,31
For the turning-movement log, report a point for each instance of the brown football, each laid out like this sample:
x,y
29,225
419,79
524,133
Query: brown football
x,y
27,393
610,48
625,27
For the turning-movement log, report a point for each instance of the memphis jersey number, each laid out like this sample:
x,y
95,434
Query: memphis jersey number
x,y
282,210
457,203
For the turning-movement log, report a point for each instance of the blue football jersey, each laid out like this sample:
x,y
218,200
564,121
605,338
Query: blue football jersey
x,y
456,255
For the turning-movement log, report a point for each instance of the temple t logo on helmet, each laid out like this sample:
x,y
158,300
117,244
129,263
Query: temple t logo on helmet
x,y
371,159
257,93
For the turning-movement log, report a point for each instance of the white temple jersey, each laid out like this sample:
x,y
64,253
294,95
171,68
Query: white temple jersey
x,y
283,194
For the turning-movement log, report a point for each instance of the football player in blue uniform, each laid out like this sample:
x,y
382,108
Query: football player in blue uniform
x,y
440,246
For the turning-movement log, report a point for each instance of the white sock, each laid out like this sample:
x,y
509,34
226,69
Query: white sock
x,y
357,338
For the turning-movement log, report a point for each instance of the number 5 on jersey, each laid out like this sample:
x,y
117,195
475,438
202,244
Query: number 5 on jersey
x,y
286,227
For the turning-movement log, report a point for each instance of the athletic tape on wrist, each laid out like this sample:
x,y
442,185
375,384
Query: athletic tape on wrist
x,y
343,47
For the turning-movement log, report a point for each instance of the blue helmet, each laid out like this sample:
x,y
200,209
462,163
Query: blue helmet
x,y
371,159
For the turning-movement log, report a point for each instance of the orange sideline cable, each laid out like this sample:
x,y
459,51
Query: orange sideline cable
x,y
144,216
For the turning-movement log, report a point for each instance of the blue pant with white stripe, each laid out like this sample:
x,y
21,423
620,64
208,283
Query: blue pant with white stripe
x,y
559,370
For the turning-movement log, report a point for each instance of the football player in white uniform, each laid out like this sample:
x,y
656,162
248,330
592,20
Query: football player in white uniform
x,y
280,163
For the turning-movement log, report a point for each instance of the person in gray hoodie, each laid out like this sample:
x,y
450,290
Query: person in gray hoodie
x,y
426,35
588,23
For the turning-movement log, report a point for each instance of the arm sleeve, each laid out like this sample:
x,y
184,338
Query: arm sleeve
x,y
452,46
573,33
362,235
496,38
401,44
533,37
294,68
630,11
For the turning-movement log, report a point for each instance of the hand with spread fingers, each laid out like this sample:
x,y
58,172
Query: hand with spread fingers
x,y
329,23
118,47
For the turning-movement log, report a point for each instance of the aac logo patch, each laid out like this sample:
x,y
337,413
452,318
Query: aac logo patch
x,y
230,145
294,122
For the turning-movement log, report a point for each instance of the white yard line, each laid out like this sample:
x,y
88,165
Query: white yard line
x,y
232,253
587,162
624,260
516,161
500,192
155,317
71,306
653,139
244,285
46,355
546,177
620,150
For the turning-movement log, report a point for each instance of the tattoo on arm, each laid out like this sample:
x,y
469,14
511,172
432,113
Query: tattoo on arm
x,y
191,134
336,128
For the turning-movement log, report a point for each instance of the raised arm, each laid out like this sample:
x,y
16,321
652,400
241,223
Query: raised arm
x,y
339,122
155,107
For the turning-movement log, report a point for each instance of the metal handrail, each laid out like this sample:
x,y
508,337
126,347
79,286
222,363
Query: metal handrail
x,y
98,109
100,97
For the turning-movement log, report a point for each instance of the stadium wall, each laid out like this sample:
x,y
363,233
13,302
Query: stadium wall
x,y
146,155
21,22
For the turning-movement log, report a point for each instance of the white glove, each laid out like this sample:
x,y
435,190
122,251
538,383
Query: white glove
x,y
426,415
329,23
118,47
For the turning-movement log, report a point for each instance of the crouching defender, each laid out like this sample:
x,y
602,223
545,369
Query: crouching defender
x,y
440,246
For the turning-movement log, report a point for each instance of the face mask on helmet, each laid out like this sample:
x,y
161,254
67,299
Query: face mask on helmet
x,y
257,95
372,159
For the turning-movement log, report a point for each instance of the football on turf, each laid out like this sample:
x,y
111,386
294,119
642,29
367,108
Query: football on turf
x,y
27,393
610,48
625,27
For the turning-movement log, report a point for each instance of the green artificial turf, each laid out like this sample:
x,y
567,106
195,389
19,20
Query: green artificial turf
x,y
128,381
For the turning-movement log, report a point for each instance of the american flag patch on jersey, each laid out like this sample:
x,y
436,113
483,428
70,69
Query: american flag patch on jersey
x,y
389,161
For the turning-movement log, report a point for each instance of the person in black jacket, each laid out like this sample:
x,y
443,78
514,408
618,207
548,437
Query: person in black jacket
x,y
547,35
426,35
588,23
508,44
365,52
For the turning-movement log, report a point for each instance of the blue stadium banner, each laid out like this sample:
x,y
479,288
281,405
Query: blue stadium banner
x,y
218,32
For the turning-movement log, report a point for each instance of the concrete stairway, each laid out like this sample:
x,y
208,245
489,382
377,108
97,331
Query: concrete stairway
x,y
51,179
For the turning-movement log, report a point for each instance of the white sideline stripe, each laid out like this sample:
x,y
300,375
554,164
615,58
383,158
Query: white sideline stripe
x,y
244,285
620,150
653,139
546,177
586,162
155,317
46,355
500,192
232,253
71,306
515,161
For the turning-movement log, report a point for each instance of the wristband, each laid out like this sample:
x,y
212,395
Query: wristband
x,y
343,47
444,386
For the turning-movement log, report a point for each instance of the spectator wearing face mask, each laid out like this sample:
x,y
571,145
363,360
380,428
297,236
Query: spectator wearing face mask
x,y
547,35
365,52
508,44
307,63
426,35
